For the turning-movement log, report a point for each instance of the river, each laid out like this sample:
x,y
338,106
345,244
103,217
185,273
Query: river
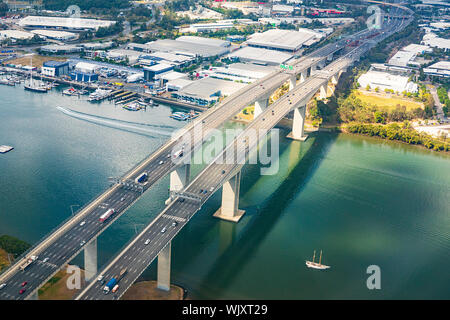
x,y
361,200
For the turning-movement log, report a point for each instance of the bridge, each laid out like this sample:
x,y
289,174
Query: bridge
x,y
152,242
79,233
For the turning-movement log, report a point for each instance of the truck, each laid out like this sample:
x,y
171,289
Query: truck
x,y
113,282
106,215
28,262
178,153
142,178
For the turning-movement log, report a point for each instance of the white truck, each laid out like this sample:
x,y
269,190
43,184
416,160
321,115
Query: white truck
x,y
28,262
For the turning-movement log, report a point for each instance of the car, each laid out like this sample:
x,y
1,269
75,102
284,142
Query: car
x,y
168,156
182,200
161,162
82,223
2,286
174,224
100,278
147,242
82,243
45,260
22,291
264,119
201,191
223,171
273,112
163,230
211,189
24,283
205,192
116,287
123,198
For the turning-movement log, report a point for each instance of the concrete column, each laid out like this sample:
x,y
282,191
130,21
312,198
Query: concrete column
x,y
230,200
302,77
334,80
298,124
292,82
260,106
313,69
163,280
90,260
179,178
323,92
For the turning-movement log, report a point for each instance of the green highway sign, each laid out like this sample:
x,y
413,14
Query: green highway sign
x,y
286,67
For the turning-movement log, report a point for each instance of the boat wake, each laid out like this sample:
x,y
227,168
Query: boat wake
x,y
118,124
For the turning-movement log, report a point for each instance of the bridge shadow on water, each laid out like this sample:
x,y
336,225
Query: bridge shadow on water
x,y
238,242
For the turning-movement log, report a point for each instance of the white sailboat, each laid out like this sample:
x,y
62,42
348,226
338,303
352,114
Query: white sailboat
x,y
315,265
32,85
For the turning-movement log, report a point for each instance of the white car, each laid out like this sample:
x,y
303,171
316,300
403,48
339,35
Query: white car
x,y
82,223
82,243
161,162
147,242
2,285
163,230
100,278
45,260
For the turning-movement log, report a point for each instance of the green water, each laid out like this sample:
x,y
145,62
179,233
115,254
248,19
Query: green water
x,y
362,201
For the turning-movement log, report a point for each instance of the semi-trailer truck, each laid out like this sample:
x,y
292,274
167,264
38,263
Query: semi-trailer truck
x,y
106,215
28,262
113,282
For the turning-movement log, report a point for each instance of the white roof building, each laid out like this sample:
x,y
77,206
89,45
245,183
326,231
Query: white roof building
x,y
284,40
206,41
384,80
405,56
57,35
64,23
240,72
432,40
85,67
260,56
440,69
15,34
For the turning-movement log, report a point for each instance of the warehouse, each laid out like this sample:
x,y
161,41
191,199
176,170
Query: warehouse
x,y
151,73
78,24
260,56
207,91
432,40
206,41
15,34
186,48
384,80
61,49
55,68
439,69
56,35
284,40
406,56
241,72
174,59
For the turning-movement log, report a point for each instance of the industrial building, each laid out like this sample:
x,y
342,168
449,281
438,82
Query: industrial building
x,y
206,41
206,91
61,49
15,34
240,72
284,40
56,35
406,56
439,69
152,73
123,54
85,72
55,68
432,40
186,48
78,24
260,56
177,60
384,80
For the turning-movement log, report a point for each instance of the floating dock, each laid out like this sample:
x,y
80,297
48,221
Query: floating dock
x,y
5,149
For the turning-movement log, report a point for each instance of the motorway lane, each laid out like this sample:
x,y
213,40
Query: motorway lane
x,y
137,256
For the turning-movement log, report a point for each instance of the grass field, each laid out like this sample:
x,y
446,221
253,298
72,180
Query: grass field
x,y
56,287
388,102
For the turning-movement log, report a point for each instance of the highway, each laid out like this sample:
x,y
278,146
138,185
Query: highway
x,y
69,239
137,255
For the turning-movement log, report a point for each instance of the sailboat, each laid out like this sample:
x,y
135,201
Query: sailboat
x,y
32,85
315,265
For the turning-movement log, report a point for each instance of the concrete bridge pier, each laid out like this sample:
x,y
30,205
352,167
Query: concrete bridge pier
x,y
292,82
298,124
260,106
163,273
302,77
334,80
323,91
230,200
90,260
179,178
313,69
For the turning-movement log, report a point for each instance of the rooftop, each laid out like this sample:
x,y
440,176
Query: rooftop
x,y
259,55
207,87
206,41
69,23
283,39
187,48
